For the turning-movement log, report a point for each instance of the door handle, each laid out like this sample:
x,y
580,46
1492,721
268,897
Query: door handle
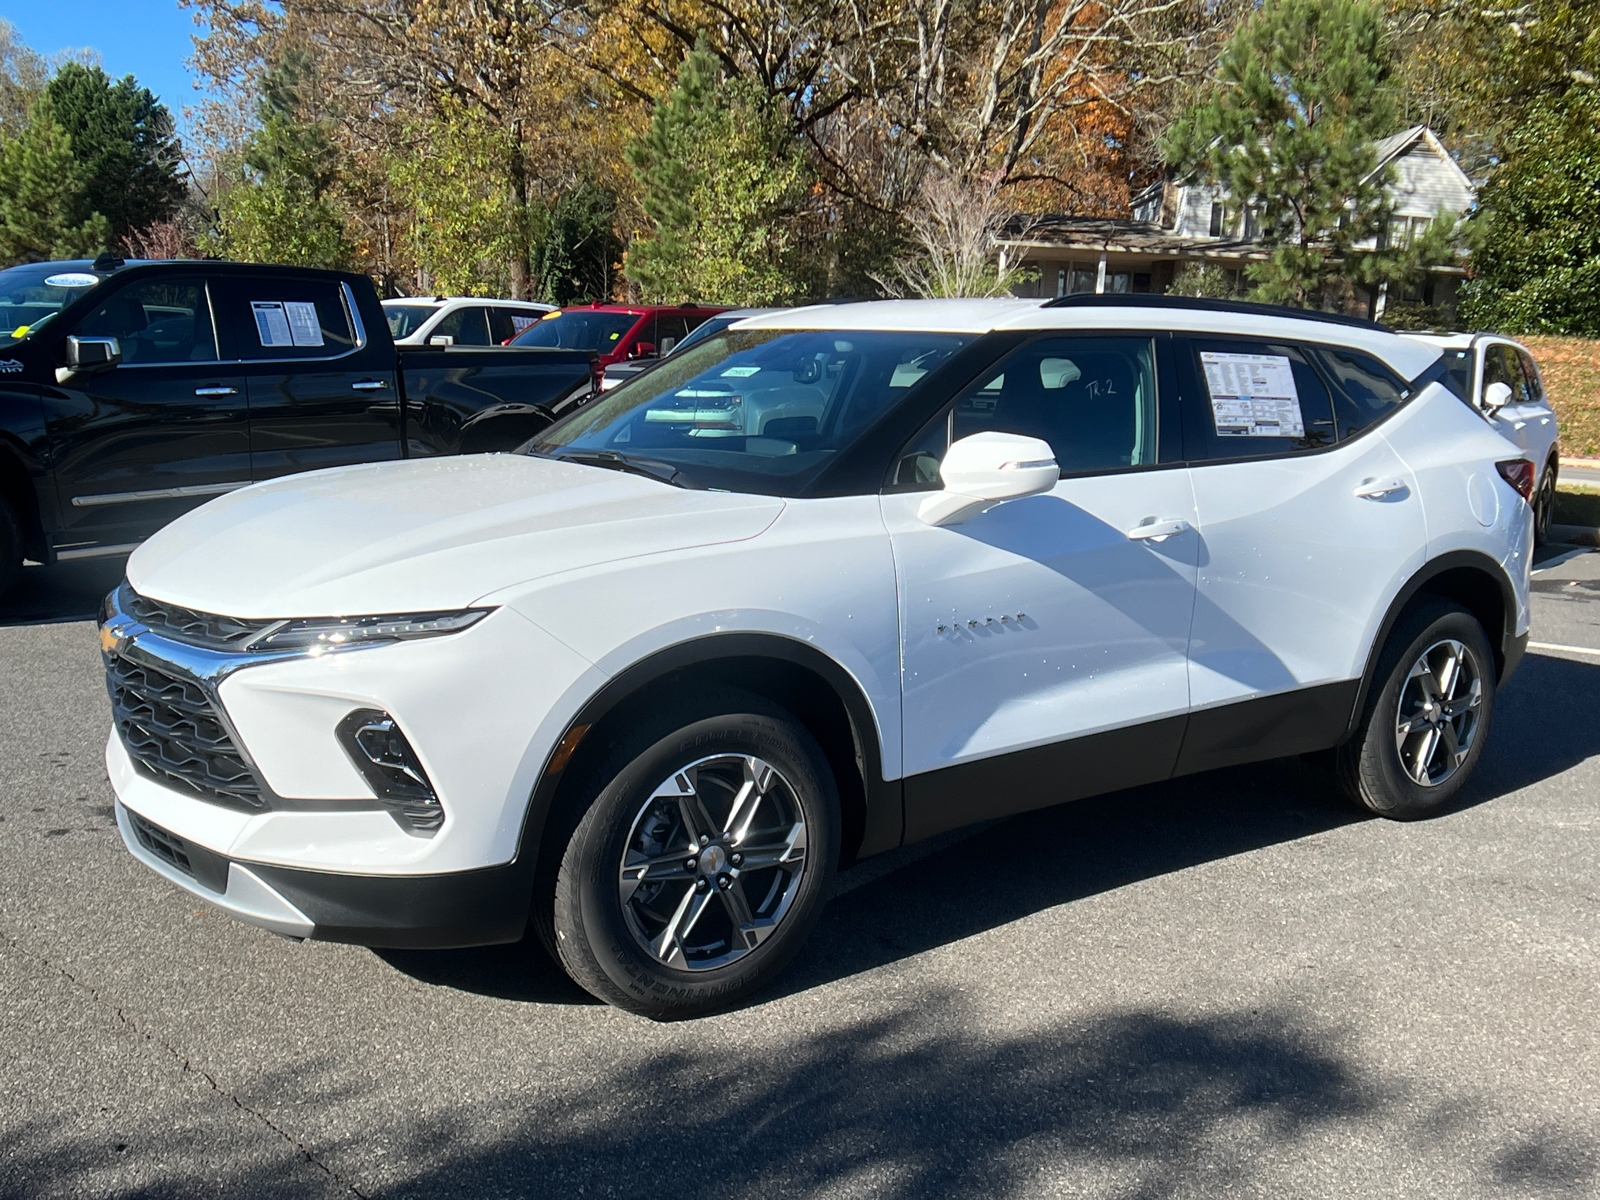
x,y
1370,489
1153,530
369,385
216,391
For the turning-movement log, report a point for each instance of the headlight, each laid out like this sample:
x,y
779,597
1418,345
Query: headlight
x,y
320,635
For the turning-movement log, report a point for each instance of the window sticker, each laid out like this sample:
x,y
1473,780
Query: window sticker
x,y
740,372
520,322
1253,395
304,327
272,325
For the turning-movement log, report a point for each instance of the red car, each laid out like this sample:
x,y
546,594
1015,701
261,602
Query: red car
x,y
617,332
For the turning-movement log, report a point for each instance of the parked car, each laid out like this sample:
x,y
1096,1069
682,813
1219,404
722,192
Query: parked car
x,y
1502,382
459,320
617,333
648,683
628,368
130,393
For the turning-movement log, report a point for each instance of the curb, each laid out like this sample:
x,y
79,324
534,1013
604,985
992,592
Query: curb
x,y
1592,464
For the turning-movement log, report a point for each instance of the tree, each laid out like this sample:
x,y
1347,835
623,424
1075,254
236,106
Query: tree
x,y
952,234
44,209
281,212
123,138
1301,95
1537,266
1201,279
721,175
22,77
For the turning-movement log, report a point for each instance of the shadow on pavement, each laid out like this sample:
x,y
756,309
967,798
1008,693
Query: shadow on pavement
x,y
522,971
915,1103
69,591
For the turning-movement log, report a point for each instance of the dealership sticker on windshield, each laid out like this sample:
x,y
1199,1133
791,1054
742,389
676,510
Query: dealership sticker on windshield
x,y
1253,395
72,279
741,372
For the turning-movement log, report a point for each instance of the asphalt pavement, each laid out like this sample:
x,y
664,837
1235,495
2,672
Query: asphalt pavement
x,y
1229,984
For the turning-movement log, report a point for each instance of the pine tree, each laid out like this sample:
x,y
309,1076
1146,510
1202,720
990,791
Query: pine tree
x,y
123,138
722,177
44,208
1300,96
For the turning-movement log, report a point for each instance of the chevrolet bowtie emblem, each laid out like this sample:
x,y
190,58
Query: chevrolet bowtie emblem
x,y
109,638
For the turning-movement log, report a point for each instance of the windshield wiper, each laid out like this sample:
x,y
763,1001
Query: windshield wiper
x,y
613,460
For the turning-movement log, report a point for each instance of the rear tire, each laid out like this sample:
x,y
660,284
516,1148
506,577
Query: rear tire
x,y
659,916
1544,504
10,548
1427,715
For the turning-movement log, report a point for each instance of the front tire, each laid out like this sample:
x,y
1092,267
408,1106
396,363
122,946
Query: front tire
x,y
1544,504
1427,716
702,863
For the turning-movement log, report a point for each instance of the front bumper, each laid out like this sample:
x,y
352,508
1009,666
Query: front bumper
x,y
434,912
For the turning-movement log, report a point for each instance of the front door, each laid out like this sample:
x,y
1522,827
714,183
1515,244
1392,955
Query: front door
x,y
321,394
1044,642
144,442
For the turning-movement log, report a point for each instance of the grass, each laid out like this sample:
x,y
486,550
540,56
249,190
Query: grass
x,y
1571,370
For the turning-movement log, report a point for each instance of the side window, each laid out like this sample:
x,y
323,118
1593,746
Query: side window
x,y
1249,399
644,339
1535,390
466,326
1365,391
506,323
669,332
157,322
1092,398
1501,365
285,318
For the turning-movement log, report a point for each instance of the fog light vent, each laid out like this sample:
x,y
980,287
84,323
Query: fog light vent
x,y
388,763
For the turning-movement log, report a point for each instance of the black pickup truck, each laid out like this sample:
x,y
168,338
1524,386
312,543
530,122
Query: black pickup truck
x,y
132,392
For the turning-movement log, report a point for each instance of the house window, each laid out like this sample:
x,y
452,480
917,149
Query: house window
x,y
1082,277
1061,282
1252,225
1216,218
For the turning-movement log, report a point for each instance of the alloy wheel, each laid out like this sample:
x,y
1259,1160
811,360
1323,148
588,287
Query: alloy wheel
x,y
1437,719
713,861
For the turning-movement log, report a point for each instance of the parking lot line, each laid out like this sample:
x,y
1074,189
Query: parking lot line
x,y
1565,649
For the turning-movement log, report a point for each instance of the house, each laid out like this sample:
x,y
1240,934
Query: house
x,y
1176,223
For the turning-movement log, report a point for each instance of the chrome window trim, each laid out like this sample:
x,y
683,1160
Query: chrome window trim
x,y
172,493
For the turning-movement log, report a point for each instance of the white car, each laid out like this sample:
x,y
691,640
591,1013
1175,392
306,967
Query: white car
x,y
459,320
646,685
1501,380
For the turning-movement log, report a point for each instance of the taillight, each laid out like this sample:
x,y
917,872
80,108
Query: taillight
x,y
1518,472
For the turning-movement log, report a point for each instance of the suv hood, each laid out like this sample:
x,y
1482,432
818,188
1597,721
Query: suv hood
x,y
424,535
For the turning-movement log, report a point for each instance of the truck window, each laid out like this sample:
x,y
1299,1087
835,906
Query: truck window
x,y
272,317
166,321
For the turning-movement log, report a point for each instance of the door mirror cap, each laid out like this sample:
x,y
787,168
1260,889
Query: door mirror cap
x,y
1496,396
93,353
986,469
643,350
441,339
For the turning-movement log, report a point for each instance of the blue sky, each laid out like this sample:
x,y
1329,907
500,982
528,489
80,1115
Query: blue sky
x,y
146,38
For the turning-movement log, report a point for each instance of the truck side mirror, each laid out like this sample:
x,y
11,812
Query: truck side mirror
x,y
93,353
441,339
1495,397
643,350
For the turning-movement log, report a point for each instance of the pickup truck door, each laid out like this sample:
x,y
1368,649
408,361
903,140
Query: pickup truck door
x,y
141,443
322,389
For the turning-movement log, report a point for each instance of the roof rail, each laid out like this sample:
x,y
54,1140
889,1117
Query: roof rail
x,y
1202,304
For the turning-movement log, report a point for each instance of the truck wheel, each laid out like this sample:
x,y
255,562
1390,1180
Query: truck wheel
x,y
10,548
1544,504
701,865
1427,715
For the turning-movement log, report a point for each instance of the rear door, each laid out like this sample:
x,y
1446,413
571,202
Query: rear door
x,y
1304,538
142,443
464,326
322,392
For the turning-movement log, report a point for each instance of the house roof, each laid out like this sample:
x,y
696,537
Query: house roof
x,y
1110,233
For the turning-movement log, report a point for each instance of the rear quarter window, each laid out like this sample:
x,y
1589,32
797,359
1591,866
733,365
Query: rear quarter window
x,y
1364,390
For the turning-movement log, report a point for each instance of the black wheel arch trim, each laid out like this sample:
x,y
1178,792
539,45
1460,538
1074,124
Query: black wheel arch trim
x,y
883,818
1508,644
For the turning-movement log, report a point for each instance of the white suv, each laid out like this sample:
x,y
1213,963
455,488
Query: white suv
x,y
831,581
460,320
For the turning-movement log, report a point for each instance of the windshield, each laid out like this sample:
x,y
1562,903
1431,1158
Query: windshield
x,y
406,319
752,410
578,330
31,295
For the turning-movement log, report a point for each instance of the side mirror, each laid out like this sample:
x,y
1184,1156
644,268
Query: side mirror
x,y
986,469
441,339
93,353
643,350
1496,396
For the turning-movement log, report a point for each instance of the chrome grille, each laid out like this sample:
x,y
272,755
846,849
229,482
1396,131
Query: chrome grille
x,y
175,737
188,626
